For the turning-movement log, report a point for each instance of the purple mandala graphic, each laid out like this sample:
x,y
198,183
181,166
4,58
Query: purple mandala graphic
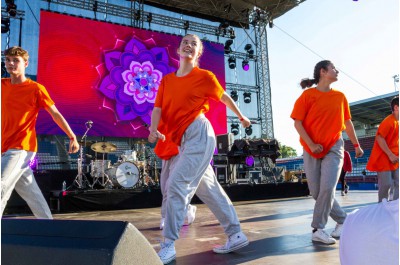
x,y
131,78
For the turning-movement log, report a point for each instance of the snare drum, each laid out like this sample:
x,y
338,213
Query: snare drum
x,y
99,166
125,174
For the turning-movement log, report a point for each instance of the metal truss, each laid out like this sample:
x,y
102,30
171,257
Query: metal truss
x,y
242,88
138,16
263,78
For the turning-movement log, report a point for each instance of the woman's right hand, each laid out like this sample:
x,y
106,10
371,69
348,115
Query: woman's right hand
x,y
316,148
154,135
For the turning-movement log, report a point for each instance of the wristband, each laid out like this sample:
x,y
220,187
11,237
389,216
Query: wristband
x,y
241,119
356,145
72,138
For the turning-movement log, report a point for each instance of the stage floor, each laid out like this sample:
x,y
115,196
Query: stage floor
x,y
278,229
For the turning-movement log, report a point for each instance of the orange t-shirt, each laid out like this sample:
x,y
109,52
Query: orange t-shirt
x,y
182,100
378,160
323,115
20,105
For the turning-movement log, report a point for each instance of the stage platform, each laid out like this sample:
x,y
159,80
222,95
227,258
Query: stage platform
x,y
123,199
278,229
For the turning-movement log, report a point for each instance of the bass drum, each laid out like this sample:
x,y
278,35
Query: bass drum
x,y
123,175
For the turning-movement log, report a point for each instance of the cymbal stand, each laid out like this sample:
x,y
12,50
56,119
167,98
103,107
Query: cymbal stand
x,y
80,180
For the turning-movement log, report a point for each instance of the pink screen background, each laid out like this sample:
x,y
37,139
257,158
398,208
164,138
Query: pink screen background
x,y
72,65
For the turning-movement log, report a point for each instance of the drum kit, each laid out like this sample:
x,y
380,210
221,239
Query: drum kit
x,y
133,169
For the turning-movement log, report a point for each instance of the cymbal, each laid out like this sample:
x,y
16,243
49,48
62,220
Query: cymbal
x,y
104,147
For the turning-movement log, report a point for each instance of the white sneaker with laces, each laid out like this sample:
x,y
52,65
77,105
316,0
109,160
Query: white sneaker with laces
x,y
191,214
321,236
162,223
167,252
233,243
338,231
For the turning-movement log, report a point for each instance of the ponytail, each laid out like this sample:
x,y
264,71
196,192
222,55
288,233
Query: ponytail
x,y
306,82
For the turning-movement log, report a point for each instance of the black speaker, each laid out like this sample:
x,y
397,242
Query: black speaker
x,y
59,242
221,172
224,143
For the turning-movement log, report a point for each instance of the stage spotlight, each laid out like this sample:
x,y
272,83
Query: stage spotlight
x,y
186,25
250,53
250,161
235,128
5,25
234,95
247,97
270,24
232,34
227,47
245,65
232,62
247,47
249,130
11,8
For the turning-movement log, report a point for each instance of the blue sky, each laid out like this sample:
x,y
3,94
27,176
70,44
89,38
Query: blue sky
x,y
360,37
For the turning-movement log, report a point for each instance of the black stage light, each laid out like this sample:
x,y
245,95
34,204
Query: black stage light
x,y
232,62
247,47
247,97
235,128
250,53
234,95
245,65
249,130
5,24
227,47
186,25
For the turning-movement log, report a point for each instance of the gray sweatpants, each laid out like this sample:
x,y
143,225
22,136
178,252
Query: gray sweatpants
x,y
15,173
387,180
322,176
167,166
192,173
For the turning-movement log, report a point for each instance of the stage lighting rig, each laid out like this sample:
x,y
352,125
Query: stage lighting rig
x,y
249,130
235,128
227,47
5,24
232,62
245,65
234,95
247,97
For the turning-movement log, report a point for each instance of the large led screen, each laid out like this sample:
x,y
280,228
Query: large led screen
x,y
109,74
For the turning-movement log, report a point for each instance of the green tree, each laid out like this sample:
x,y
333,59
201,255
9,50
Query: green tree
x,y
287,151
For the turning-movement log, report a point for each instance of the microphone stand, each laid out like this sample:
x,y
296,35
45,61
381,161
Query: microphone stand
x,y
80,180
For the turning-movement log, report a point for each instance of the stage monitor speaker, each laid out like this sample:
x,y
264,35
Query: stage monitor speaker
x,y
39,242
221,172
224,143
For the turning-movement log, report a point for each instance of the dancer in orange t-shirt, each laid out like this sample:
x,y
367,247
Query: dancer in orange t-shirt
x,y
384,158
178,117
21,100
320,115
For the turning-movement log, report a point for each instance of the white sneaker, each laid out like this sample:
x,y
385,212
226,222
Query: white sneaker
x,y
162,223
167,252
342,193
321,236
338,231
191,214
233,243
